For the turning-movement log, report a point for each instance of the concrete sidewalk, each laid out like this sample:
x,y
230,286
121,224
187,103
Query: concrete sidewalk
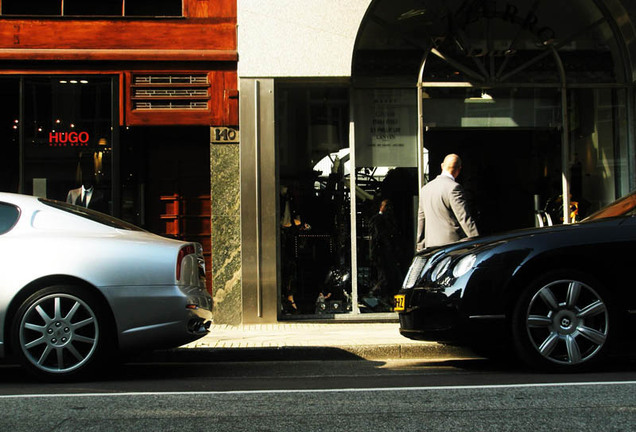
x,y
311,341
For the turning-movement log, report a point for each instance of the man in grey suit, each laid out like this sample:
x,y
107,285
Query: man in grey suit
x,y
443,216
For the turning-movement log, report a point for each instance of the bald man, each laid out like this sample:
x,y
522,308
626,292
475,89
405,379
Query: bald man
x,y
443,216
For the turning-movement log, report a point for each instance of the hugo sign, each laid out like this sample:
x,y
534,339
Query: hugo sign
x,y
70,139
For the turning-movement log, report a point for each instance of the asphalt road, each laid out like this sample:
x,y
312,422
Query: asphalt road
x,y
458,395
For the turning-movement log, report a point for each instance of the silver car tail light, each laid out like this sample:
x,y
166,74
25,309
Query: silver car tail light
x,y
200,260
183,252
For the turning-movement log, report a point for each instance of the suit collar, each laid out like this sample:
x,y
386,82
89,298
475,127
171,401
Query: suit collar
x,y
447,174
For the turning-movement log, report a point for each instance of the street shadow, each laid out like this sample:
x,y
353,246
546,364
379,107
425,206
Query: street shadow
x,y
182,364
514,365
223,369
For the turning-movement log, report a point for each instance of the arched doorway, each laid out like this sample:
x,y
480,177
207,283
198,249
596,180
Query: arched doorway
x,y
528,73
535,96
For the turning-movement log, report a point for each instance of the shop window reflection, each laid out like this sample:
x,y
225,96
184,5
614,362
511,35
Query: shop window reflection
x,y
9,139
386,210
67,145
315,169
314,201
386,195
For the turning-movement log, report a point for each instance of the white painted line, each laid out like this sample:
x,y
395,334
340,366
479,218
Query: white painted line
x,y
309,391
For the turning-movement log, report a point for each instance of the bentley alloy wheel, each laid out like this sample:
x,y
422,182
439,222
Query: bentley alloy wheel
x,y
563,323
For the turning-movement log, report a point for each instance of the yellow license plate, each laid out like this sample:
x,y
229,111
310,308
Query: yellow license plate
x,y
399,302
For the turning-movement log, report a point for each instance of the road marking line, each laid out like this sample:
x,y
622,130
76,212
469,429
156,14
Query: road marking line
x,y
344,390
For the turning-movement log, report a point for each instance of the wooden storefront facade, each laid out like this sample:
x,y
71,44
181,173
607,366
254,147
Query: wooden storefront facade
x,y
131,90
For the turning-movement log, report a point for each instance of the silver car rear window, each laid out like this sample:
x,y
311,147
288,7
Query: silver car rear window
x,y
9,215
95,216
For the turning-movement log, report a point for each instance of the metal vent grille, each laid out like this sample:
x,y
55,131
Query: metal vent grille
x,y
170,92
170,105
171,79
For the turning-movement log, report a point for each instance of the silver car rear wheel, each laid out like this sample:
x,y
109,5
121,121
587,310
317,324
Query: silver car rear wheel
x,y
58,332
562,323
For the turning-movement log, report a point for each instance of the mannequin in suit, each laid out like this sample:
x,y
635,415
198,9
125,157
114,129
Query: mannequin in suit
x,y
443,216
87,195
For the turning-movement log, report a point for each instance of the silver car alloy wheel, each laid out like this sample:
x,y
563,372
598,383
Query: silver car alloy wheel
x,y
567,322
59,333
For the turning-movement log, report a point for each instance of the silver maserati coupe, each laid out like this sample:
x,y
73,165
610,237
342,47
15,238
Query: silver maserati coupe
x,y
77,286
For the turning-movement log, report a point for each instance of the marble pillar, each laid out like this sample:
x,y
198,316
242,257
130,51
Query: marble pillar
x,y
226,233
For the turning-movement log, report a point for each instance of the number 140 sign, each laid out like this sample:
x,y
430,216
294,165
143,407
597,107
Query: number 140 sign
x,y
224,135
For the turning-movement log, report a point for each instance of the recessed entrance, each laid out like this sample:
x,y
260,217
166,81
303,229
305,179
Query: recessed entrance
x,y
507,174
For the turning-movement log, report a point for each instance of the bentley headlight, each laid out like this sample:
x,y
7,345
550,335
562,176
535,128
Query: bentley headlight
x,y
440,268
464,265
415,272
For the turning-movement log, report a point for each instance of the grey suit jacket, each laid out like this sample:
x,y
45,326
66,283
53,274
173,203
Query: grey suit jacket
x,y
442,215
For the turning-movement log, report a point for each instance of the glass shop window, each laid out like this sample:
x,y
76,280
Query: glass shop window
x,y
599,171
314,197
67,140
386,192
31,7
154,8
10,136
96,8
157,8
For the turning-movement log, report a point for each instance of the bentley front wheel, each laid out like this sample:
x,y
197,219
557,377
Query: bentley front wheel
x,y
562,322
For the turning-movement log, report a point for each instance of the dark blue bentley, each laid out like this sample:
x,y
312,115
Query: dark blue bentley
x,y
563,297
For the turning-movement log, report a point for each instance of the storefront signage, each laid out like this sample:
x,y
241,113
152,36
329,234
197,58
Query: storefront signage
x,y
508,12
68,139
386,128
224,135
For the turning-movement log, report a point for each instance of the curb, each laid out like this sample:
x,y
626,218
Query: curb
x,y
425,351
